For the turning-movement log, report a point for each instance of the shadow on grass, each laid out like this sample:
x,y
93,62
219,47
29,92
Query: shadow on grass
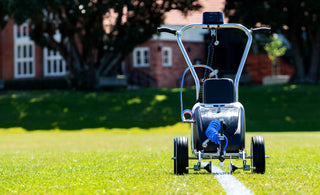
x,y
268,109
282,108
72,110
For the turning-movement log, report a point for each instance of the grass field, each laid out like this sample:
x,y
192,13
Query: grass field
x,y
276,108
138,162
121,142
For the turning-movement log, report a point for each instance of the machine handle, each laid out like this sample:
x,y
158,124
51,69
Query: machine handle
x,y
261,29
167,30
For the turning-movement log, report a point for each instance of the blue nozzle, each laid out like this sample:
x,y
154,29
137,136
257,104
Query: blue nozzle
x,y
212,133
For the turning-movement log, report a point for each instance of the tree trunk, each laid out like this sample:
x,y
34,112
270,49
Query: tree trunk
x,y
82,76
314,60
297,55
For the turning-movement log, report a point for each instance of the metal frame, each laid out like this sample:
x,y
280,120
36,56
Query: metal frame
x,y
215,26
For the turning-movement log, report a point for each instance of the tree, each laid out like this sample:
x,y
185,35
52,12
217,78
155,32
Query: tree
x,y
275,49
96,35
298,20
3,13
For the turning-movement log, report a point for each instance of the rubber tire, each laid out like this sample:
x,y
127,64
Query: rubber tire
x,y
175,155
182,155
258,154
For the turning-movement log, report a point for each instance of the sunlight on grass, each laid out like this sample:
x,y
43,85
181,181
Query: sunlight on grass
x,y
157,99
14,96
146,108
288,119
103,118
65,110
293,166
290,87
33,100
115,161
22,114
137,161
134,101
122,142
90,95
160,98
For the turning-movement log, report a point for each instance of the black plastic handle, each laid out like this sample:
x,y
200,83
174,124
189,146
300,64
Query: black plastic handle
x,y
167,30
261,30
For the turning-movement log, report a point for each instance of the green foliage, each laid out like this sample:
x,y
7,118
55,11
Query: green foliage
x,y
31,84
275,48
3,13
293,14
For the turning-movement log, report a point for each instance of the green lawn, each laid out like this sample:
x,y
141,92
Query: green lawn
x,y
121,142
282,107
138,162
271,108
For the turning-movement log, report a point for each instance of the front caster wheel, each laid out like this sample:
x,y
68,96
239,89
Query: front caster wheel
x,y
181,155
258,154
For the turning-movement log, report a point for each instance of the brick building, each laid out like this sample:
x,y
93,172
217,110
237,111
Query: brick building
x,y
21,58
159,62
156,63
164,62
148,65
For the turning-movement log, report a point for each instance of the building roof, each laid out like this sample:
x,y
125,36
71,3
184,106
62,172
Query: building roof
x,y
175,17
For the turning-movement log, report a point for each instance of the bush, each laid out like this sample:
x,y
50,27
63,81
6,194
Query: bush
x,y
43,83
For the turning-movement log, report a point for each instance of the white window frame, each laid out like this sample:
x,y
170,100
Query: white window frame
x,y
24,52
166,56
141,57
53,63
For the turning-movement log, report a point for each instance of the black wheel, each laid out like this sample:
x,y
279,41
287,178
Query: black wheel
x,y
258,154
175,155
181,161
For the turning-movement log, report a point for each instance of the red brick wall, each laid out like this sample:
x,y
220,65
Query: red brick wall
x,y
130,70
259,66
168,76
171,76
7,52
38,61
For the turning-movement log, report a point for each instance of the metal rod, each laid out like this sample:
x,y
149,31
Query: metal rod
x,y
186,57
212,26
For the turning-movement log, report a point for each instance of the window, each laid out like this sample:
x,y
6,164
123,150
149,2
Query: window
x,y
24,52
166,56
54,65
141,57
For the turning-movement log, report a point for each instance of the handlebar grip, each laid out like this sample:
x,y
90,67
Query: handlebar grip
x,y
261,29
167,30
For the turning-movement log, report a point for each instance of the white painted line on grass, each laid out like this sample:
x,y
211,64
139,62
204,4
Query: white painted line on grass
x,y
229,183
